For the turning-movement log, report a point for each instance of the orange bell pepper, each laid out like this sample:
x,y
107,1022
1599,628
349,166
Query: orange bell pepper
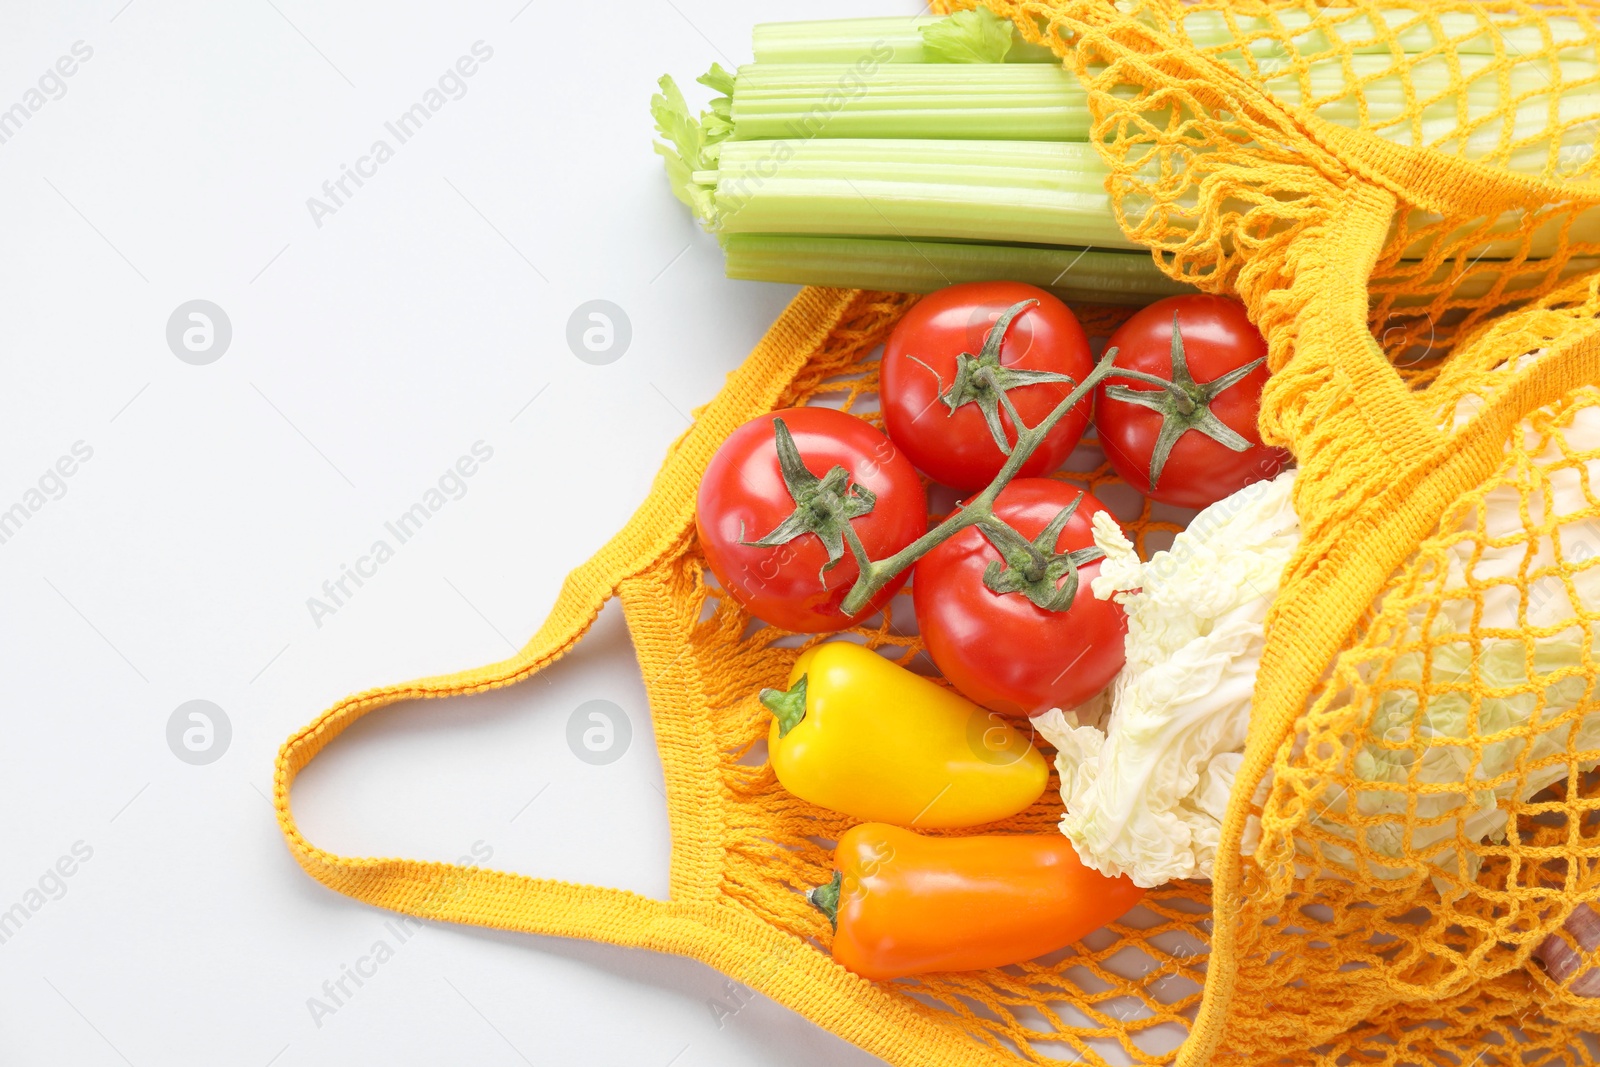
x,y
901,903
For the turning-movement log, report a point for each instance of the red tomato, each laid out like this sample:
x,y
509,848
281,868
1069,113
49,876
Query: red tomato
x,y
924,370
1207,455
747,497
1002,650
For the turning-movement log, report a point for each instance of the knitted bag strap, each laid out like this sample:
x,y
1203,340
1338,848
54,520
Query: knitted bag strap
x,y
541,905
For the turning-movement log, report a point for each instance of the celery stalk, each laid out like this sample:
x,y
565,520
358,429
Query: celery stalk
x,y
997,191
1086,276
1042,102
1475,280
867,41
1459,32
899,39
1000,101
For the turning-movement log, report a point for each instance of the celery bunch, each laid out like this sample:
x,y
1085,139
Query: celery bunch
x,y
910,153
904,154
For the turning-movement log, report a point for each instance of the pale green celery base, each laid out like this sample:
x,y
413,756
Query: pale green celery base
x,y
892,151
886,209
1092,276
898,40
880,40
943,101
1050,193
991,122
923,266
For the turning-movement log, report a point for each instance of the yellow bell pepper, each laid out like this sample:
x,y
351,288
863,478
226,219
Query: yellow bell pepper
x,y
861,735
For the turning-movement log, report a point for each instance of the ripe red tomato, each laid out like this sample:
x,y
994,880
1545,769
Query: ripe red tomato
x,y
1001,649
937,356
1203,445
842,471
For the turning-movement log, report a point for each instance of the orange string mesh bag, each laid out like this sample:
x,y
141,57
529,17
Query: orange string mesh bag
x,y
1380,186
1417,814
744,850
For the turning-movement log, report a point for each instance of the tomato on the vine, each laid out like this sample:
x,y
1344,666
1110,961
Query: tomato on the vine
x,y
958,370
985,598
1195,442
780,502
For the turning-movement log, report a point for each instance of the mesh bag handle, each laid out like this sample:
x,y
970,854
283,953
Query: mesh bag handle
x,y
697,920
539,905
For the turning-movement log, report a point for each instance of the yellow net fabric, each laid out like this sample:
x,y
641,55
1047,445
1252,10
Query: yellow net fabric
x,y
1380,184
744,850
1417,811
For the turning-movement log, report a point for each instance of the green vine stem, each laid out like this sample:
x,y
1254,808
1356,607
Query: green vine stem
x,y
825,506
875,574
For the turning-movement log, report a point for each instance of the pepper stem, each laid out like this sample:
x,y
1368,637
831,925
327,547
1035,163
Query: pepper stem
x,y
825,898
788,706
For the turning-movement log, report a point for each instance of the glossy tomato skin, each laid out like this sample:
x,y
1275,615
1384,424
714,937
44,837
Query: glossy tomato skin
x,y
743,498
1002,651
1217,337
956,448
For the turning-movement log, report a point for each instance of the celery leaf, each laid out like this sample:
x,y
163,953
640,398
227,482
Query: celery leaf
x,y
717,79
689,145
975,36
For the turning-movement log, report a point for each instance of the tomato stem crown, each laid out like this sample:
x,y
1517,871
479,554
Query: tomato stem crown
x,y
788,706
983,380
1184,405
823,506
1034,568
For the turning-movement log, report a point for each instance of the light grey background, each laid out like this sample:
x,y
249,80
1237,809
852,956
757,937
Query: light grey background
x,y
427,313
